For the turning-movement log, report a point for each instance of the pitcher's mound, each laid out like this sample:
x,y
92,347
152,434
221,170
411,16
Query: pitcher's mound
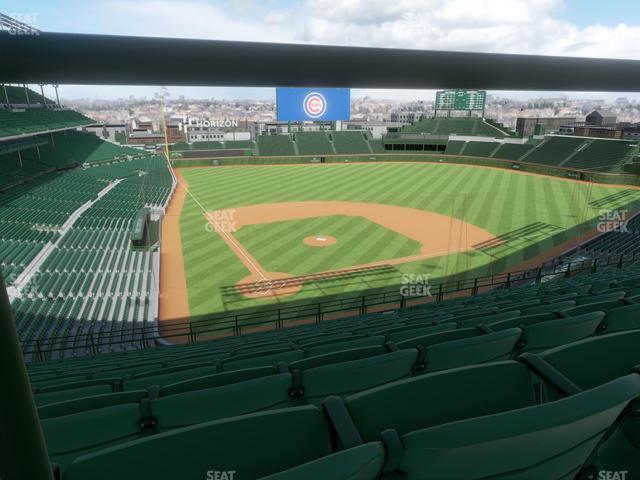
x,y
319,240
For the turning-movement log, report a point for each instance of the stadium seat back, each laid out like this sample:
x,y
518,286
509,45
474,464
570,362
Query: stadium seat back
x,y
594,361
262,360
440,337
216,380
363,462
621,319
349,377
337,357
70,436
522,321
253,446
553,440
552,333
250,396
344,344
441,397
469,351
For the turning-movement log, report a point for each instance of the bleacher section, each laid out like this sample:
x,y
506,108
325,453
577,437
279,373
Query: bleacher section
x,y
275,145
55,151
456,126
479,149
554,150
70,226
622,239
603,155
512,151
393,386
18,96
313,143
92,283
37,119
350,142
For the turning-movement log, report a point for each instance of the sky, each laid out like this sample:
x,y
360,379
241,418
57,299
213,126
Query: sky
x,y
585,28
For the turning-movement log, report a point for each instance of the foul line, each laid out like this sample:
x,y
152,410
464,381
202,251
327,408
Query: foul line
x,y
226,236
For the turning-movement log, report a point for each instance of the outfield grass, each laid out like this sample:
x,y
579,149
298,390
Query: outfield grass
x,y
531,213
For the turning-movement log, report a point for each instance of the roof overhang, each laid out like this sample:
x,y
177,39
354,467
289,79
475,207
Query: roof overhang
x,y
65,58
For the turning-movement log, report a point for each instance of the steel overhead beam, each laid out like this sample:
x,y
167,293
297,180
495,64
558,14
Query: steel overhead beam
x,y
121,60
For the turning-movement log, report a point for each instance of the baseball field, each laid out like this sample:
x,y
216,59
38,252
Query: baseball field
x,y
236,237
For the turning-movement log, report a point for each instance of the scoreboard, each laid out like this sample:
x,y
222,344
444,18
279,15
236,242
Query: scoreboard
x,y
460,100
295,104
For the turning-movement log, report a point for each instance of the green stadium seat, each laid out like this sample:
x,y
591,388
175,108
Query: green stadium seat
x,y
442,397
469,351
250,396
554,440
417,329
354,376
254,360
595,361
522,321
487,319
82,404
71,436
253,446
621,318
605,306
168,378
435,338
62,395
545,335
337,357
328,346
363,462
217,380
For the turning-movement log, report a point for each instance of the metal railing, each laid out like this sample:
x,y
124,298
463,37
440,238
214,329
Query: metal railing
x,y
241,322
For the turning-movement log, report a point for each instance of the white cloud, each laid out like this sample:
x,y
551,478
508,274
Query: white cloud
x,y
508,26
189,19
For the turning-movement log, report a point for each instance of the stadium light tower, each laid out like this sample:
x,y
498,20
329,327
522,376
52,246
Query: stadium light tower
x,y
55,86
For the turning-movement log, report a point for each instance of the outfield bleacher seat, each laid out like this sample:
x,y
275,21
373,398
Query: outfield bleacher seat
x,y
554,150
350,142
602,155
275,145
456,126
479,149
512,151
313,143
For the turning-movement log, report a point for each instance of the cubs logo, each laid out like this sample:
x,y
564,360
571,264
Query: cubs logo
x,y
314,105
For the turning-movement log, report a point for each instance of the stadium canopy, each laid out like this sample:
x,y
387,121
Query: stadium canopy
x,y
61,58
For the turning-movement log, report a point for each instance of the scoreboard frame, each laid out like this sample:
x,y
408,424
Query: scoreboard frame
x,y
460,100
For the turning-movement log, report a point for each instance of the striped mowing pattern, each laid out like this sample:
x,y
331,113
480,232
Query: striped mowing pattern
x,y
532,213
